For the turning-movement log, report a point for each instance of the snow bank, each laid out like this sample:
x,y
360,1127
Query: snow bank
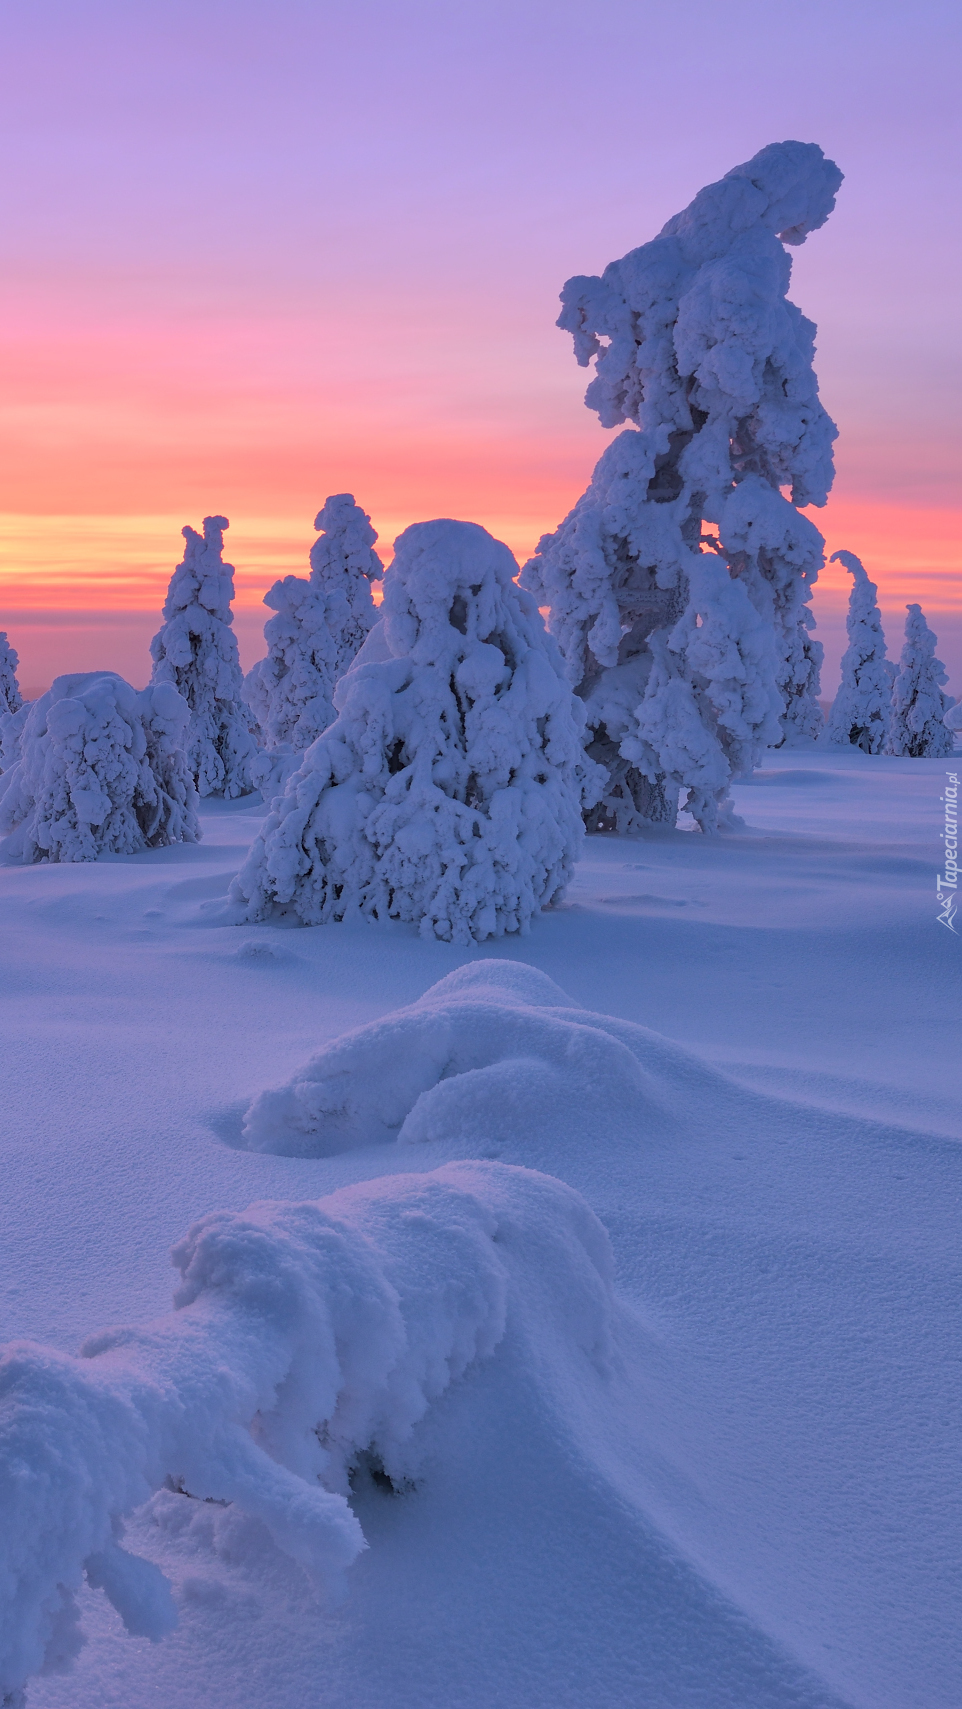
x,y
196,653
321,622
692,649
100,770
448,792
495,1051
303,1335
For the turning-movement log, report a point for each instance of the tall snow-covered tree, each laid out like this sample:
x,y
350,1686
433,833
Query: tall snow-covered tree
x,y
861,710
321,622
449,790
678,585
918,703
101,770
196,652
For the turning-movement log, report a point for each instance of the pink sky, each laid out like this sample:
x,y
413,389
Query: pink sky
x,y
259,253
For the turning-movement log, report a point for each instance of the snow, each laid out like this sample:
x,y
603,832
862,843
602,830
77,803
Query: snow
x,y
729,1476
99,768
195,652
862,708
918,703
448,792
321,622
693,649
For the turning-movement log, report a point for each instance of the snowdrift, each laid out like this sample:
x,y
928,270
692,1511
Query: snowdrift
x,y
303,1336
495,1051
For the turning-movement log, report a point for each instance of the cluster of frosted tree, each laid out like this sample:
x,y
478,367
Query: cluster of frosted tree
x,y
321,622
449,790
692,648
196,653
100,769
877,708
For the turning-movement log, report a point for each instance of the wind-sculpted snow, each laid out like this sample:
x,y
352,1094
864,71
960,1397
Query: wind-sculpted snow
x,y
448,793
321,622
692,649
99,768
196,652
862,708
494,1052
303,1336
919,707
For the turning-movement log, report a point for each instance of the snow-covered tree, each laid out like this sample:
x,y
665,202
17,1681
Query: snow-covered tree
x,y
320,624
918,704
11,699
692,648
101,770
196,652
449,790
861,710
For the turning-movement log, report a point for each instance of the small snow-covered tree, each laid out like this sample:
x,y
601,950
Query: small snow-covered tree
x,y
861,710
320,624
11,699
692,648
101,770
196,652
449,790
918,704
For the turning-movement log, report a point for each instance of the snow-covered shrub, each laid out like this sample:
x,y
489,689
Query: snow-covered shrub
x,y
101,770
918,703
494,1052
692,649
861,710
303,1336
196,652
953,718
449,790
321,622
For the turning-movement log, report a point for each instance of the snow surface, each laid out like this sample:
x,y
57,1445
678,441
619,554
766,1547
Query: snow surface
x,y
755,1500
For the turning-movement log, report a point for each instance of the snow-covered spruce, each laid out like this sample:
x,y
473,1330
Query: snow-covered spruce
x,y
861,710
196,652
321,622
304,1336
12,710
495,1052
692,649
101,770
449,790
918,703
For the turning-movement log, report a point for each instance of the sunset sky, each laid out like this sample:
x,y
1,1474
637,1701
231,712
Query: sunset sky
x,y
258,251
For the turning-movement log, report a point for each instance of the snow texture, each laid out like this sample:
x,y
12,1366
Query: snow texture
x,y
495,1047
304,1335
918,704
196,653
321,622
100,769
691,648
448,793
861,710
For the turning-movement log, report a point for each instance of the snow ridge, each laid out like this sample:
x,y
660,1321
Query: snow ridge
x,y
303,1335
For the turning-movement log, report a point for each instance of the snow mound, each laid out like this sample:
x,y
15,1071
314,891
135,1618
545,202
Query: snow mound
x,y
448,792
101,770
495,1051
304,1335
